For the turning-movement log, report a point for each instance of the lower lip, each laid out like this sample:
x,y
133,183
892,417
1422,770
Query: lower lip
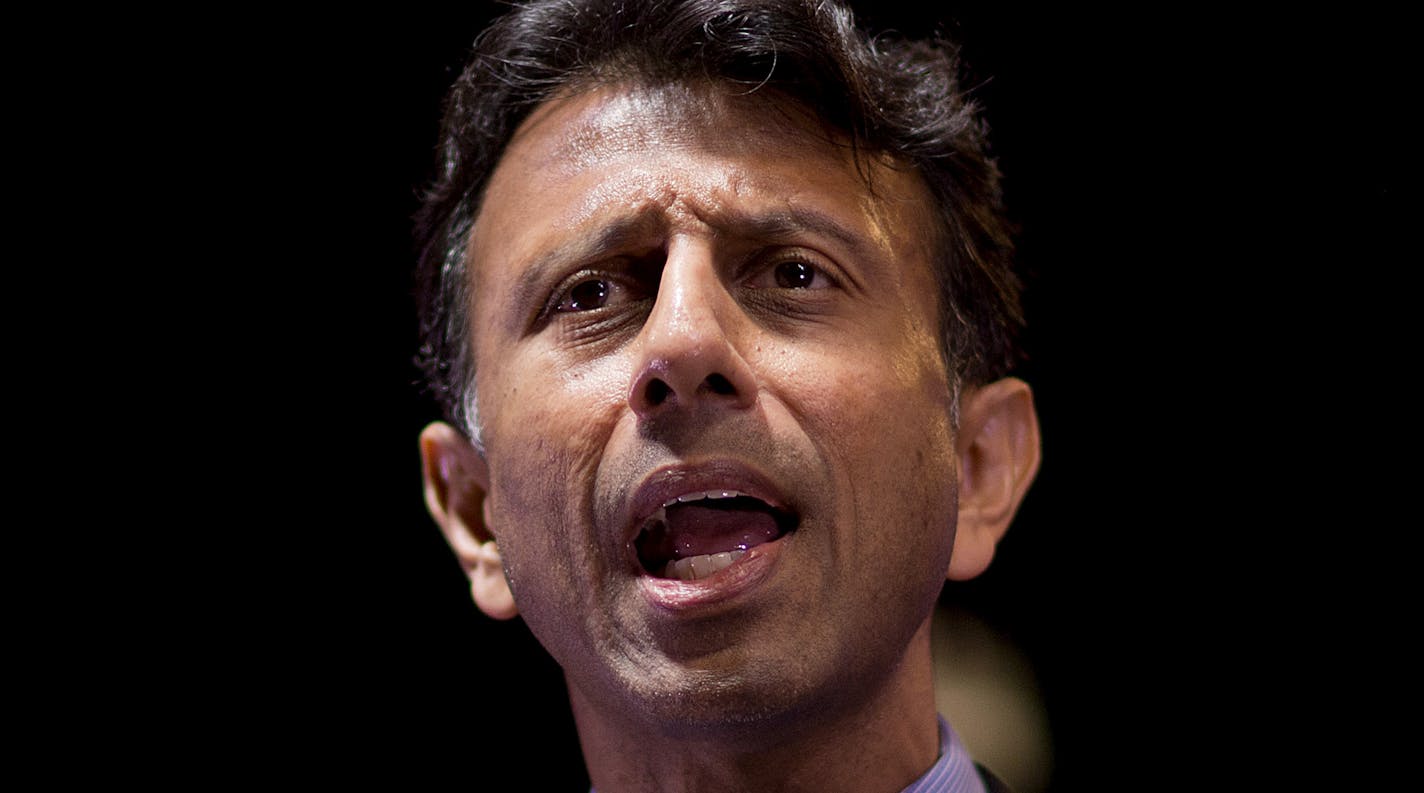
x,y
743,575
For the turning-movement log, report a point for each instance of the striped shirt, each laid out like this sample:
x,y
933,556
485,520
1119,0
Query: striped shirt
x,y
953,772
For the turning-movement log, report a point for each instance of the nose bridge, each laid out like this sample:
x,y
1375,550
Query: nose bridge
x,y
688,349
688,309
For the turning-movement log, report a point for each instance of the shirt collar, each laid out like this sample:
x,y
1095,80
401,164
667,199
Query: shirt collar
x,y
953,772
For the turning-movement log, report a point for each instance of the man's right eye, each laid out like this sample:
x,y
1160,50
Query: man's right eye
x,y
586,295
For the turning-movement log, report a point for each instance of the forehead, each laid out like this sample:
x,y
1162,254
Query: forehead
x,y
583,128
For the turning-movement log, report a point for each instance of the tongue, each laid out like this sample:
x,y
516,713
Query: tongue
x,y
697,530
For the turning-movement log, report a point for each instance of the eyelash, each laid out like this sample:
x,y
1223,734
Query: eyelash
x,y
563,300
821,277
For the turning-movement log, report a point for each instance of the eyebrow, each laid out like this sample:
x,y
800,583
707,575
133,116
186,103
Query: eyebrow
x,y
793,222
796,221
611,236
622,232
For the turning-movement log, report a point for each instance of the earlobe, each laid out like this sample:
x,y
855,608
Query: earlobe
x,y
456,481
998,448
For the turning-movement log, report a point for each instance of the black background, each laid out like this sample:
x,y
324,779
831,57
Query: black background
x,y
1199,197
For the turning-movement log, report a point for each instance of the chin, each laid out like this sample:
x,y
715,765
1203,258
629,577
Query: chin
x,y
738,702
728,712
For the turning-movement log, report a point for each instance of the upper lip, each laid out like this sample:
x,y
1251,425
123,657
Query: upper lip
x,y
667,483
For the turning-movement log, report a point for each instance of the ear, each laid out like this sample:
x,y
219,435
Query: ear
x,y
456,481
998,448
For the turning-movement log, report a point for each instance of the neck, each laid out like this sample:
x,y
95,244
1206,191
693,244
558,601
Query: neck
x,y
880,740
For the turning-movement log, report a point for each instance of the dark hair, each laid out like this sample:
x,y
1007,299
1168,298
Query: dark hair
x,y
892,96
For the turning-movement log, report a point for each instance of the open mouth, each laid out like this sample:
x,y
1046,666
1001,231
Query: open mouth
x,y
698,534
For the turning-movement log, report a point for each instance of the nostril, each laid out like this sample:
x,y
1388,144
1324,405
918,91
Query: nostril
x,y
718,384
657,392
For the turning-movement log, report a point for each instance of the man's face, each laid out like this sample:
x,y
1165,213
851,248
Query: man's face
x,y
682,292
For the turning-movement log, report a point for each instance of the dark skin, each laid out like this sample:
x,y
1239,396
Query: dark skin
x,y
679,291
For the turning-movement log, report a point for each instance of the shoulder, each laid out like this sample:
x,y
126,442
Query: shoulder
x,y
992,784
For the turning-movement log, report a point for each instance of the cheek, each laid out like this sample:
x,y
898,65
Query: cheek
x,y
897,453
546,430
874,400
545,417
882,424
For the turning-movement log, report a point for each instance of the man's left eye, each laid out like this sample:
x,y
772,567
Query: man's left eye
x,y
793,274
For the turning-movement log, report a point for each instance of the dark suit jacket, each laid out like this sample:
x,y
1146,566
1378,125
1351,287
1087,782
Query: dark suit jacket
x,y
992,783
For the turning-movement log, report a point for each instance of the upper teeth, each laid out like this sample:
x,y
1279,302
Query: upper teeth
x,y
683,499
661,514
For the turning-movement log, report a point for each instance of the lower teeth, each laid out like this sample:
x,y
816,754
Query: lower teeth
x,y
694,567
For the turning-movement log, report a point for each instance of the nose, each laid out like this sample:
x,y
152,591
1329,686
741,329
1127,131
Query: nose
x,y
688,351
